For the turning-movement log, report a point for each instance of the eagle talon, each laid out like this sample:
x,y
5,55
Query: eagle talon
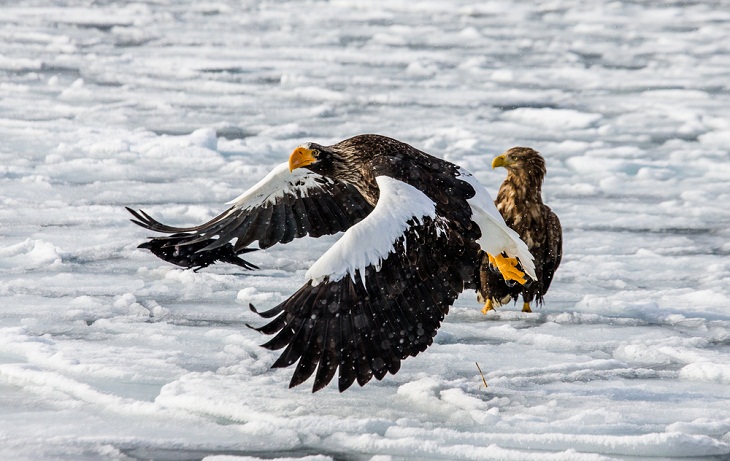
x,y
488,306
508,268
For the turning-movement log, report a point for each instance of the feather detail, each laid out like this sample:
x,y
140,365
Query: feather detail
x,y
370,241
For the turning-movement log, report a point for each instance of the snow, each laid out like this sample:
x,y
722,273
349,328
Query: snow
x,y
179,107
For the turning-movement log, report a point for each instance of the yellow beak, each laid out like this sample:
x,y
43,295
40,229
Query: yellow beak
x,y
499,161
300,157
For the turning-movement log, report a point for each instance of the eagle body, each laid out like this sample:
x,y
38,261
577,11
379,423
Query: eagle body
x,y
414,229
519,201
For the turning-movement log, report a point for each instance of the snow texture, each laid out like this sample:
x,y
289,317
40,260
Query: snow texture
x,y
177,107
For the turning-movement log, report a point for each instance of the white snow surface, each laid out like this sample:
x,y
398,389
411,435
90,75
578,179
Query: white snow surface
x,y
372,240
178,106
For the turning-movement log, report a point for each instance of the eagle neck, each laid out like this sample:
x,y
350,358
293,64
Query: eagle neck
x,y
357,171
519,199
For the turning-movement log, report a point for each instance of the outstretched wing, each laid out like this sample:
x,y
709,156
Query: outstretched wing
x,y
281,207
377,296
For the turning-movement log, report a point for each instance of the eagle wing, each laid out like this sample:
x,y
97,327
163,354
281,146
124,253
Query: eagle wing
x,y
377,296
281,207
552,248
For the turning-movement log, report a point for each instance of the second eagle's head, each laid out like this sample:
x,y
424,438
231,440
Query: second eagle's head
x,y
521,159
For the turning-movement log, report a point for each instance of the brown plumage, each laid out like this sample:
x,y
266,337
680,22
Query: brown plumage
x,y
519,201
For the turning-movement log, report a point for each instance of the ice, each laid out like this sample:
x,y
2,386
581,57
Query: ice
x,y
178,107
552,119
30,254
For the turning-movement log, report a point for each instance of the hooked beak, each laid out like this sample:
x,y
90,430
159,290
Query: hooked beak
x,y
499,161
300,157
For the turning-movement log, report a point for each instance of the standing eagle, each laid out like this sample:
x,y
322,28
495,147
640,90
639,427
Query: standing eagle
x,y
520,202
414,229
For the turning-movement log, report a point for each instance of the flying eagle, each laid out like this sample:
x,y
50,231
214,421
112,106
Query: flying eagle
x,y
520,202
414,228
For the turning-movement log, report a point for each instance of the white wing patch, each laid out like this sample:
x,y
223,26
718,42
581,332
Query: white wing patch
x,y
370,241
279,182
496,235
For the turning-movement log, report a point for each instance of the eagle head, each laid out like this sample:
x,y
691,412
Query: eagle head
x,y
330,161
347,161
521,159
312,156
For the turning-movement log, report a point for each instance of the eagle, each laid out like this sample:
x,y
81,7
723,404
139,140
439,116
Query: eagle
x,y
519,201
414,228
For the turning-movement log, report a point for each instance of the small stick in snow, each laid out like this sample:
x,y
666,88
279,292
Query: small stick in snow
x,y
482,374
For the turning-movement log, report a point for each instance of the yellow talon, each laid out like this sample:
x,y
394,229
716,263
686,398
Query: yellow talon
x,y
488,306
507,266
526,307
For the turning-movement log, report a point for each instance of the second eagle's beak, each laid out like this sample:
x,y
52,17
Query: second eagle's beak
x,y
300,157
499,161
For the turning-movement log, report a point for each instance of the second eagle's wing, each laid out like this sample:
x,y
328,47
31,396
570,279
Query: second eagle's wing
x,y
281,207
553,248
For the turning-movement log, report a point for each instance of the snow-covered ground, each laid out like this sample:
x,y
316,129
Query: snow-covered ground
x,y
176,107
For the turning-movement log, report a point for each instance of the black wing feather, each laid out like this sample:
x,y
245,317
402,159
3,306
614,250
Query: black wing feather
x,y
273,312
311,352
318,225
347,355
553,250
289,225
299,212
187,250
329,342
327,208
366,330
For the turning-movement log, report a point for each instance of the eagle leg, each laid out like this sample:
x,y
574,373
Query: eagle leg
x,y
488,306
508,268
526,307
